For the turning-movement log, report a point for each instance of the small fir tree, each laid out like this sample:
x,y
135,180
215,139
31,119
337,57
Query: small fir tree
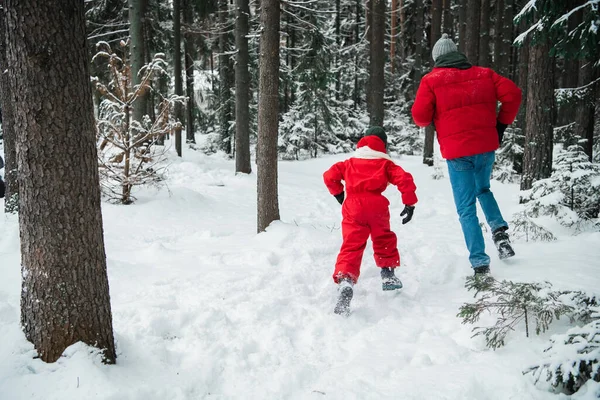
x,y
127,151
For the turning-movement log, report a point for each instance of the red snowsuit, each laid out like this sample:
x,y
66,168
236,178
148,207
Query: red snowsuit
x,y
365,210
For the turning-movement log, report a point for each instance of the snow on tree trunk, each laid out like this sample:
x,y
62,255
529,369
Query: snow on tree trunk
x,y
268,118
537,158
65,296
242,90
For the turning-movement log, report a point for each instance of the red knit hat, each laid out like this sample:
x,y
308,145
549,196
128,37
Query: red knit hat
x,y
373,142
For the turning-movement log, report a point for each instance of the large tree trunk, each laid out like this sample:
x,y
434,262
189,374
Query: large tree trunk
x,y
503,37
472,31
537,158
225,115
584,116
484,32
377,62
177,69
188,50
11,200
137,11
65,295
403,39
242,90
268,122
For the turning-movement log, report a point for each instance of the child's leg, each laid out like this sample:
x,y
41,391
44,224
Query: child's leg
x,y
350,257
385,243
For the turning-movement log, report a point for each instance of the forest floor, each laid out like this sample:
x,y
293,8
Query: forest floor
x,y
204,308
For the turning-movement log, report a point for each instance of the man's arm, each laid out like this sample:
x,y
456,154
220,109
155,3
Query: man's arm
x,y
509,95
424,106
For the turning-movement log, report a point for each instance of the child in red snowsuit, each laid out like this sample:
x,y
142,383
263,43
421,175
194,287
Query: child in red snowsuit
x,y
366,213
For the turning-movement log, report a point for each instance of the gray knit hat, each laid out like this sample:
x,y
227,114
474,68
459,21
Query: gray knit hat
x,y
443,46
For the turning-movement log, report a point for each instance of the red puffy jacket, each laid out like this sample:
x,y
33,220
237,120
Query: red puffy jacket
x,y
462,104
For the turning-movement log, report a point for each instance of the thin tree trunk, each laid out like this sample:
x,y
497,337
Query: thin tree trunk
x,y
418,39
369,37
268,118
225,114
137,11
338,41
448,22
357,59
537,158
484,34
393,38
377,62
188,49
584,116
11,200
462,26
472,30
498,39
436,33
177,70
242,90
65,295
402,31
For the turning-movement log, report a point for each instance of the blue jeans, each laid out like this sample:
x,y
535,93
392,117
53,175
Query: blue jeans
x,y
470,179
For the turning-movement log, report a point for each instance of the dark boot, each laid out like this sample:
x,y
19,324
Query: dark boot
x,y
345,296
389,280
482,270
502,242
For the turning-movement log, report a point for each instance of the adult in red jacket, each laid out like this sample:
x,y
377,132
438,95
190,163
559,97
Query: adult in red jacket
x,y
461,100
366,213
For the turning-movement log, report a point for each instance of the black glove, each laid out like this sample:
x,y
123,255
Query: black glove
x,y
408,211
339,197
500,127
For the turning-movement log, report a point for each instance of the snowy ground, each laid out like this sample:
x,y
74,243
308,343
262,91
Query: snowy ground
x,y
206,309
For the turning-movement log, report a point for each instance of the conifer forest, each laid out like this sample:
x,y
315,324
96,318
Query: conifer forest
x,y
166,233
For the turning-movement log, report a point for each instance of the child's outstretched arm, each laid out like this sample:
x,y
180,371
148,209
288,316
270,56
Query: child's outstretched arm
x,y
405,183
333,178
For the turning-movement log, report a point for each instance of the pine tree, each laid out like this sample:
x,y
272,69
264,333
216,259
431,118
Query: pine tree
x,y
65,297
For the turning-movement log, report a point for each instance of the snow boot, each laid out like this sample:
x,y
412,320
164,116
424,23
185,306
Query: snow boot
x,y
345,296
481,271
502,243
389,280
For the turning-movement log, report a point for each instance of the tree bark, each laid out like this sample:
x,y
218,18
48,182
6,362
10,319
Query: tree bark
x,y
462,26
177,70
584,115
537,158
448,22
225,115
369,38
418,39
403,40
377,62
242,90
137,11
393,38
268,118
436,33
338,41
65,294
11,197
484,34
188,49
357,59
472,31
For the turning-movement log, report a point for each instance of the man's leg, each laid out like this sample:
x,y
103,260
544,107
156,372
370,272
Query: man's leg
x,y
462,179
483,173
